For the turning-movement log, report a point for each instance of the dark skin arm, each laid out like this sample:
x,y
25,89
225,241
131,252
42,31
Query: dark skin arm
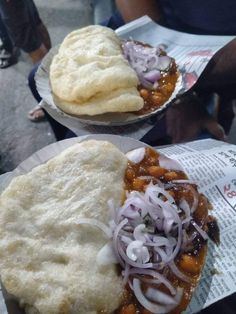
x,y
187,118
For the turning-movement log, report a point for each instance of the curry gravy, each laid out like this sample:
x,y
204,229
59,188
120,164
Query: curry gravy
x,y
191,262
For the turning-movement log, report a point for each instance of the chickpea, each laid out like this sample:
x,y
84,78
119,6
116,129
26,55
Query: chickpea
x,y
152,160
156,171
130,174
167,89
128,309
144,93
138,184
171,175
157,98
189,264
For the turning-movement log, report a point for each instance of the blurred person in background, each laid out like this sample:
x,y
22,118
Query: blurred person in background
x,y
190,115
27,32
8,53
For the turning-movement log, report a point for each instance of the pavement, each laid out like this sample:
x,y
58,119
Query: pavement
x,y
19,137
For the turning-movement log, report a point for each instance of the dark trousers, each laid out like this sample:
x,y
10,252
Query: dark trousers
x,y
21,19
60,131
5,38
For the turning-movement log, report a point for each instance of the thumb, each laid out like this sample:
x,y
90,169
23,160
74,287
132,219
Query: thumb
x,y
215,129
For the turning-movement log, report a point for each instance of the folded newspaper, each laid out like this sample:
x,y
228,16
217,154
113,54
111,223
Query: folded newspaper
x,y
212,165
191,52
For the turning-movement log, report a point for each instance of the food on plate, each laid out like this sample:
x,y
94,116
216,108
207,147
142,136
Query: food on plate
x,y
95,72
161,234
97,231
156,71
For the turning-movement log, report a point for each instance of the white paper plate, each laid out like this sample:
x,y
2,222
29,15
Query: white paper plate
x,y
108,119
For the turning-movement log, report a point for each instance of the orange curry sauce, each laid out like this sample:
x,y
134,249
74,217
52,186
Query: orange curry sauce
x,y
190,263
154,99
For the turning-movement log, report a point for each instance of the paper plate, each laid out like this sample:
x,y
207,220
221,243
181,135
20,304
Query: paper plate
x,y
107,119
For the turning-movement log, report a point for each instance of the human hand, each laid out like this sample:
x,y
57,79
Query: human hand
x,y
187,118
219,76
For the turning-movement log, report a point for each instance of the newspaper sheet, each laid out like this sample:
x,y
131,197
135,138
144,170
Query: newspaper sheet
x,y
212,165
191,52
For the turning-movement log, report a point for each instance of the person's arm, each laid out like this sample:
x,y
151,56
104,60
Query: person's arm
x,y
220,73
133,9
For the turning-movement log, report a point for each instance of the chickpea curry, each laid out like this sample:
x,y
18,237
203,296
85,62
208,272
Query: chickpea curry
x,y
160,278
155,98
157,73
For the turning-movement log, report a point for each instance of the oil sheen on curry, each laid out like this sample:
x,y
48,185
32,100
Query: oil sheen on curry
x,y
161,242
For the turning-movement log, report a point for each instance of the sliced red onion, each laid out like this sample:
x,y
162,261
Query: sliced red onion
x,y
125,274
139,233
112,225
131,212
168,221
126,240
162,254
127,260
95,223
145,83
191,188
161,241
115,240
183,204
134,206
195,197
152,76
186,221
159,190
179,224
147,62
161,297
153,62
185,207
150,306
136,251
202,233
157,278
106,255
159,224
136,155
164,63
169,163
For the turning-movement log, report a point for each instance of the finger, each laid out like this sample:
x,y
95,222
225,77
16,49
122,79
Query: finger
x,y
215,129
